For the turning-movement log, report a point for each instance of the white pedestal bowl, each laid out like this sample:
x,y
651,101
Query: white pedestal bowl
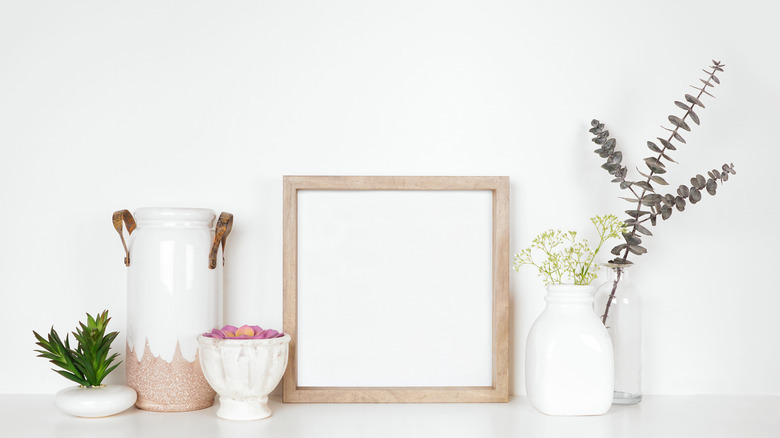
x,y
243,372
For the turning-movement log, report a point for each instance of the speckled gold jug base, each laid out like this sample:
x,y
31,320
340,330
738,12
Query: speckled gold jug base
x,y
162,386
172,408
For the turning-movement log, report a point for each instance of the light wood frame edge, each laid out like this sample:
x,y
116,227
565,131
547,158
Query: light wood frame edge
x,y
499,391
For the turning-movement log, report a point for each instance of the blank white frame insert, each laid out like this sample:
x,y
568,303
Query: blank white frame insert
x,y
405,277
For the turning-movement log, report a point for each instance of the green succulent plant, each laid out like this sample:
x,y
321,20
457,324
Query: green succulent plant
x,y
89,363
649,202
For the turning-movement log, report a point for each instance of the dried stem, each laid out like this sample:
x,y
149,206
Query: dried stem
x,y
611,296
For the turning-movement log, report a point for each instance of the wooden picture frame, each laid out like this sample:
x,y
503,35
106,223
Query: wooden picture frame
x,y
499,390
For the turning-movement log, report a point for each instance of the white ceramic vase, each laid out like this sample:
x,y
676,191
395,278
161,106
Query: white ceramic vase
x,y
173,295
93,402
569,358
244,372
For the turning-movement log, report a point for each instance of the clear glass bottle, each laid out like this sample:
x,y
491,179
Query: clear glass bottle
x,y
620,301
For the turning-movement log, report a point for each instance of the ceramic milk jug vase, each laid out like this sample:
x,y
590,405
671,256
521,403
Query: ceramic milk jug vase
x,y
174,279
569,359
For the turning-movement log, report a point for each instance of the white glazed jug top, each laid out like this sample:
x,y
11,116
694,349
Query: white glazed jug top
x,y
569,293
175,217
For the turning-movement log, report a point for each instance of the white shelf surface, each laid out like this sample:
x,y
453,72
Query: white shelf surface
x,y
657,416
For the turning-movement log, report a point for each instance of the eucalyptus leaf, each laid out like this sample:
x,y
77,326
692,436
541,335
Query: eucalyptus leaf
x,y
668,158
724,176
678,137
653,147
683,191
667,144
657,179
714,78
678,122
644,185
621,262
611,168
658,170
695,195
694,117
652,199
703,90
636,249
693,100
679,202
643,230
654,161
715,174
616,158
632,239
712,186
636,213
655,165
618,249
653,220
682,105
666,212
701,180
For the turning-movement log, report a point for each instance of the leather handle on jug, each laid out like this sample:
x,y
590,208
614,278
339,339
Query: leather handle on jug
x,y
224,225
118,218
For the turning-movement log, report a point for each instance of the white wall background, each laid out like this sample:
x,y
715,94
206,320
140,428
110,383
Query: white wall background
x,y
110,105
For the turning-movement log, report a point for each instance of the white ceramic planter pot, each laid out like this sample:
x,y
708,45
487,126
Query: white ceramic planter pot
x,y
173,294
102,401
569,358
244,372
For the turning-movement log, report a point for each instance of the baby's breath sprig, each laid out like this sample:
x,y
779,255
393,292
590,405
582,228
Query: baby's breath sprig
x,y
566,259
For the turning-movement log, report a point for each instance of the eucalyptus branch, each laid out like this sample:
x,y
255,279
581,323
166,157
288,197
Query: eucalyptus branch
x,y
649,204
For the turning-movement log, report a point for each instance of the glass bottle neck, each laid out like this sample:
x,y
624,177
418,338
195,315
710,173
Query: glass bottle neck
x,y
617,272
